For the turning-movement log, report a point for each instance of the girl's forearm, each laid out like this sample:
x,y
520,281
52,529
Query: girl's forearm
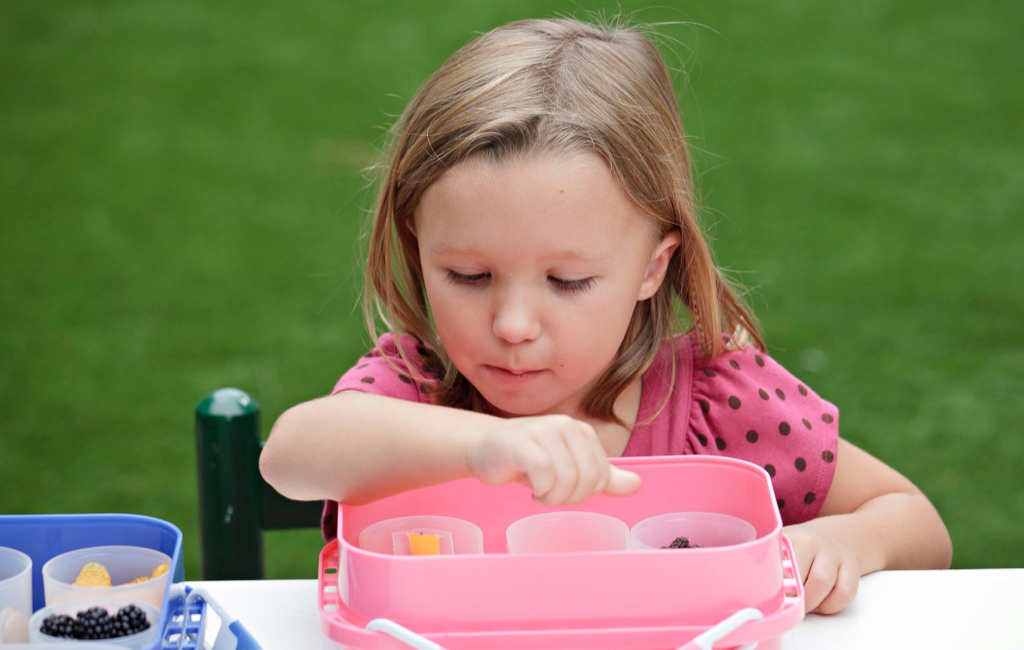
x,y
894,531
355,447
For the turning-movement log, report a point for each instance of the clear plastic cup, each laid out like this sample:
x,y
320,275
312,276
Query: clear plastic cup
x,y
704,529
567,532
423,535
15,595
124,563
138,641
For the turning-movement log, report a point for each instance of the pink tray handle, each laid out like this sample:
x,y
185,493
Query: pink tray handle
x,y
706,640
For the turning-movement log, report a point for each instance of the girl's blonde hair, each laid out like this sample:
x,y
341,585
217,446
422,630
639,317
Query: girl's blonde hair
x,y
557,86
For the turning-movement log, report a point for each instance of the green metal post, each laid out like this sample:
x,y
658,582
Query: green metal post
x,y
230,487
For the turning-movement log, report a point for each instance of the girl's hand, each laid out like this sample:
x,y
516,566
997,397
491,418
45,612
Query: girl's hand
x,y
828,567
558,457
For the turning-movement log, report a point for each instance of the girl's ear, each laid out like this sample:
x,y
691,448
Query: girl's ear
x,y
658,266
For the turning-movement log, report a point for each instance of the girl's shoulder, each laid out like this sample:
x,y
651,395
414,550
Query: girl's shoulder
x,y
744,404
383,370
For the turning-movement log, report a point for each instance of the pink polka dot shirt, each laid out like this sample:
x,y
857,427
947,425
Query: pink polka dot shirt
x,y
740,404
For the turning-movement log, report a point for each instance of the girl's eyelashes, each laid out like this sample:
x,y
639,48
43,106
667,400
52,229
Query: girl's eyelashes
x,y
572,286
568,286
460,278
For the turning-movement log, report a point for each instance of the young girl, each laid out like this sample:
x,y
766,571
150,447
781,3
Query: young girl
x,y
535,227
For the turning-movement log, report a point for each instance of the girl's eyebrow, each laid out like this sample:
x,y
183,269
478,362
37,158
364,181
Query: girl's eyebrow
x,y
573,255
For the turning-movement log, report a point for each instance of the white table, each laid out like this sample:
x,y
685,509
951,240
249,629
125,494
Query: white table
x,y
894,609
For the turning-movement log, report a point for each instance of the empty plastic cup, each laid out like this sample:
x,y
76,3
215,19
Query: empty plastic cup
x,y
15,595
567,532
423,535
704,529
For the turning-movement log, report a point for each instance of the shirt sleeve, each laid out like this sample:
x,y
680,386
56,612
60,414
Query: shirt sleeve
x,y
383,371
747,406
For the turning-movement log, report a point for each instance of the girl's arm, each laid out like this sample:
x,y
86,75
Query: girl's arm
x,y
355,447
873,519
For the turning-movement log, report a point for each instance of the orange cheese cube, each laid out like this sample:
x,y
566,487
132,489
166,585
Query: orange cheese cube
x,y
424,544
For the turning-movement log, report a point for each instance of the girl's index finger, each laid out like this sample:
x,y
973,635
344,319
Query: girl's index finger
x,y
622,483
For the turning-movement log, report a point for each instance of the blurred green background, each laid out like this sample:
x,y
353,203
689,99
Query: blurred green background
x,y
181,195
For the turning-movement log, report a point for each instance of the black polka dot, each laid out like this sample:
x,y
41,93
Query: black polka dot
x,y
803,391
720,443
703,439
826,418
424,389
806,423
708,372
759,359
770,469
361,367
405,379
367,380
809,498
763,393
751,436
782,396
422,350
827,456
801,464
705,405
784,428
782,504
734,402
734,364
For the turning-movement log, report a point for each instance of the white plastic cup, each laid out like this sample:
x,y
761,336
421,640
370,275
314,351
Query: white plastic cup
x,y
138,641
124,563
457,536
15,595
567,532
704,529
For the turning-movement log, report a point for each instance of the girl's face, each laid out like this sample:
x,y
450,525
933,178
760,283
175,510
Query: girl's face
x,y
532,271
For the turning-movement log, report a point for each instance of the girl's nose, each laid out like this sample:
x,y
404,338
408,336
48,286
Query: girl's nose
x,y
515,321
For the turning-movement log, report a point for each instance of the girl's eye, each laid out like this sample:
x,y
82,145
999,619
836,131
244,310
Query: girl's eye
x,y
572,286
567,286
459,278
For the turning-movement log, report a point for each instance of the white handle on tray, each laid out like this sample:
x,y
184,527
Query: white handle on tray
x,y
707,640
408,637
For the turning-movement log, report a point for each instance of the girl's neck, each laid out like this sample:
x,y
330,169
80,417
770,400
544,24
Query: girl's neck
x,y
613,436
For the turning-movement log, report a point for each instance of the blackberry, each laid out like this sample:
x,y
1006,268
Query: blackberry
x,y
681,542
59,626
96,624
130,620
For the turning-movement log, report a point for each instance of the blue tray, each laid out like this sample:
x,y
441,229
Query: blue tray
x,y
43,537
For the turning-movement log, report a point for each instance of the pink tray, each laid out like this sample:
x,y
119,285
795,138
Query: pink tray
x,y
589,600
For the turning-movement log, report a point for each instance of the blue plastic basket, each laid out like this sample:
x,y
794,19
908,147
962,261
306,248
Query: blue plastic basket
x,y
43,537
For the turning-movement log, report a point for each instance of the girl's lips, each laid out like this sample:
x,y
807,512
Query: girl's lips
x,y
512,379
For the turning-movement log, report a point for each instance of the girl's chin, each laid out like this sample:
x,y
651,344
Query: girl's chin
x,y
509,408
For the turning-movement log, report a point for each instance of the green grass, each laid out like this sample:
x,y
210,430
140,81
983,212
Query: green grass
x,y
181,197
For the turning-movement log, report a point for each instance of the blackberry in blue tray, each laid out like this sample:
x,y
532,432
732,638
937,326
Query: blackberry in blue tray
x,y
59,626
130,620
96,624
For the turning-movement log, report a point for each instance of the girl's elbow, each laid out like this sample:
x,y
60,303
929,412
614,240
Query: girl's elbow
x,y
944,550
946,557
277,465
